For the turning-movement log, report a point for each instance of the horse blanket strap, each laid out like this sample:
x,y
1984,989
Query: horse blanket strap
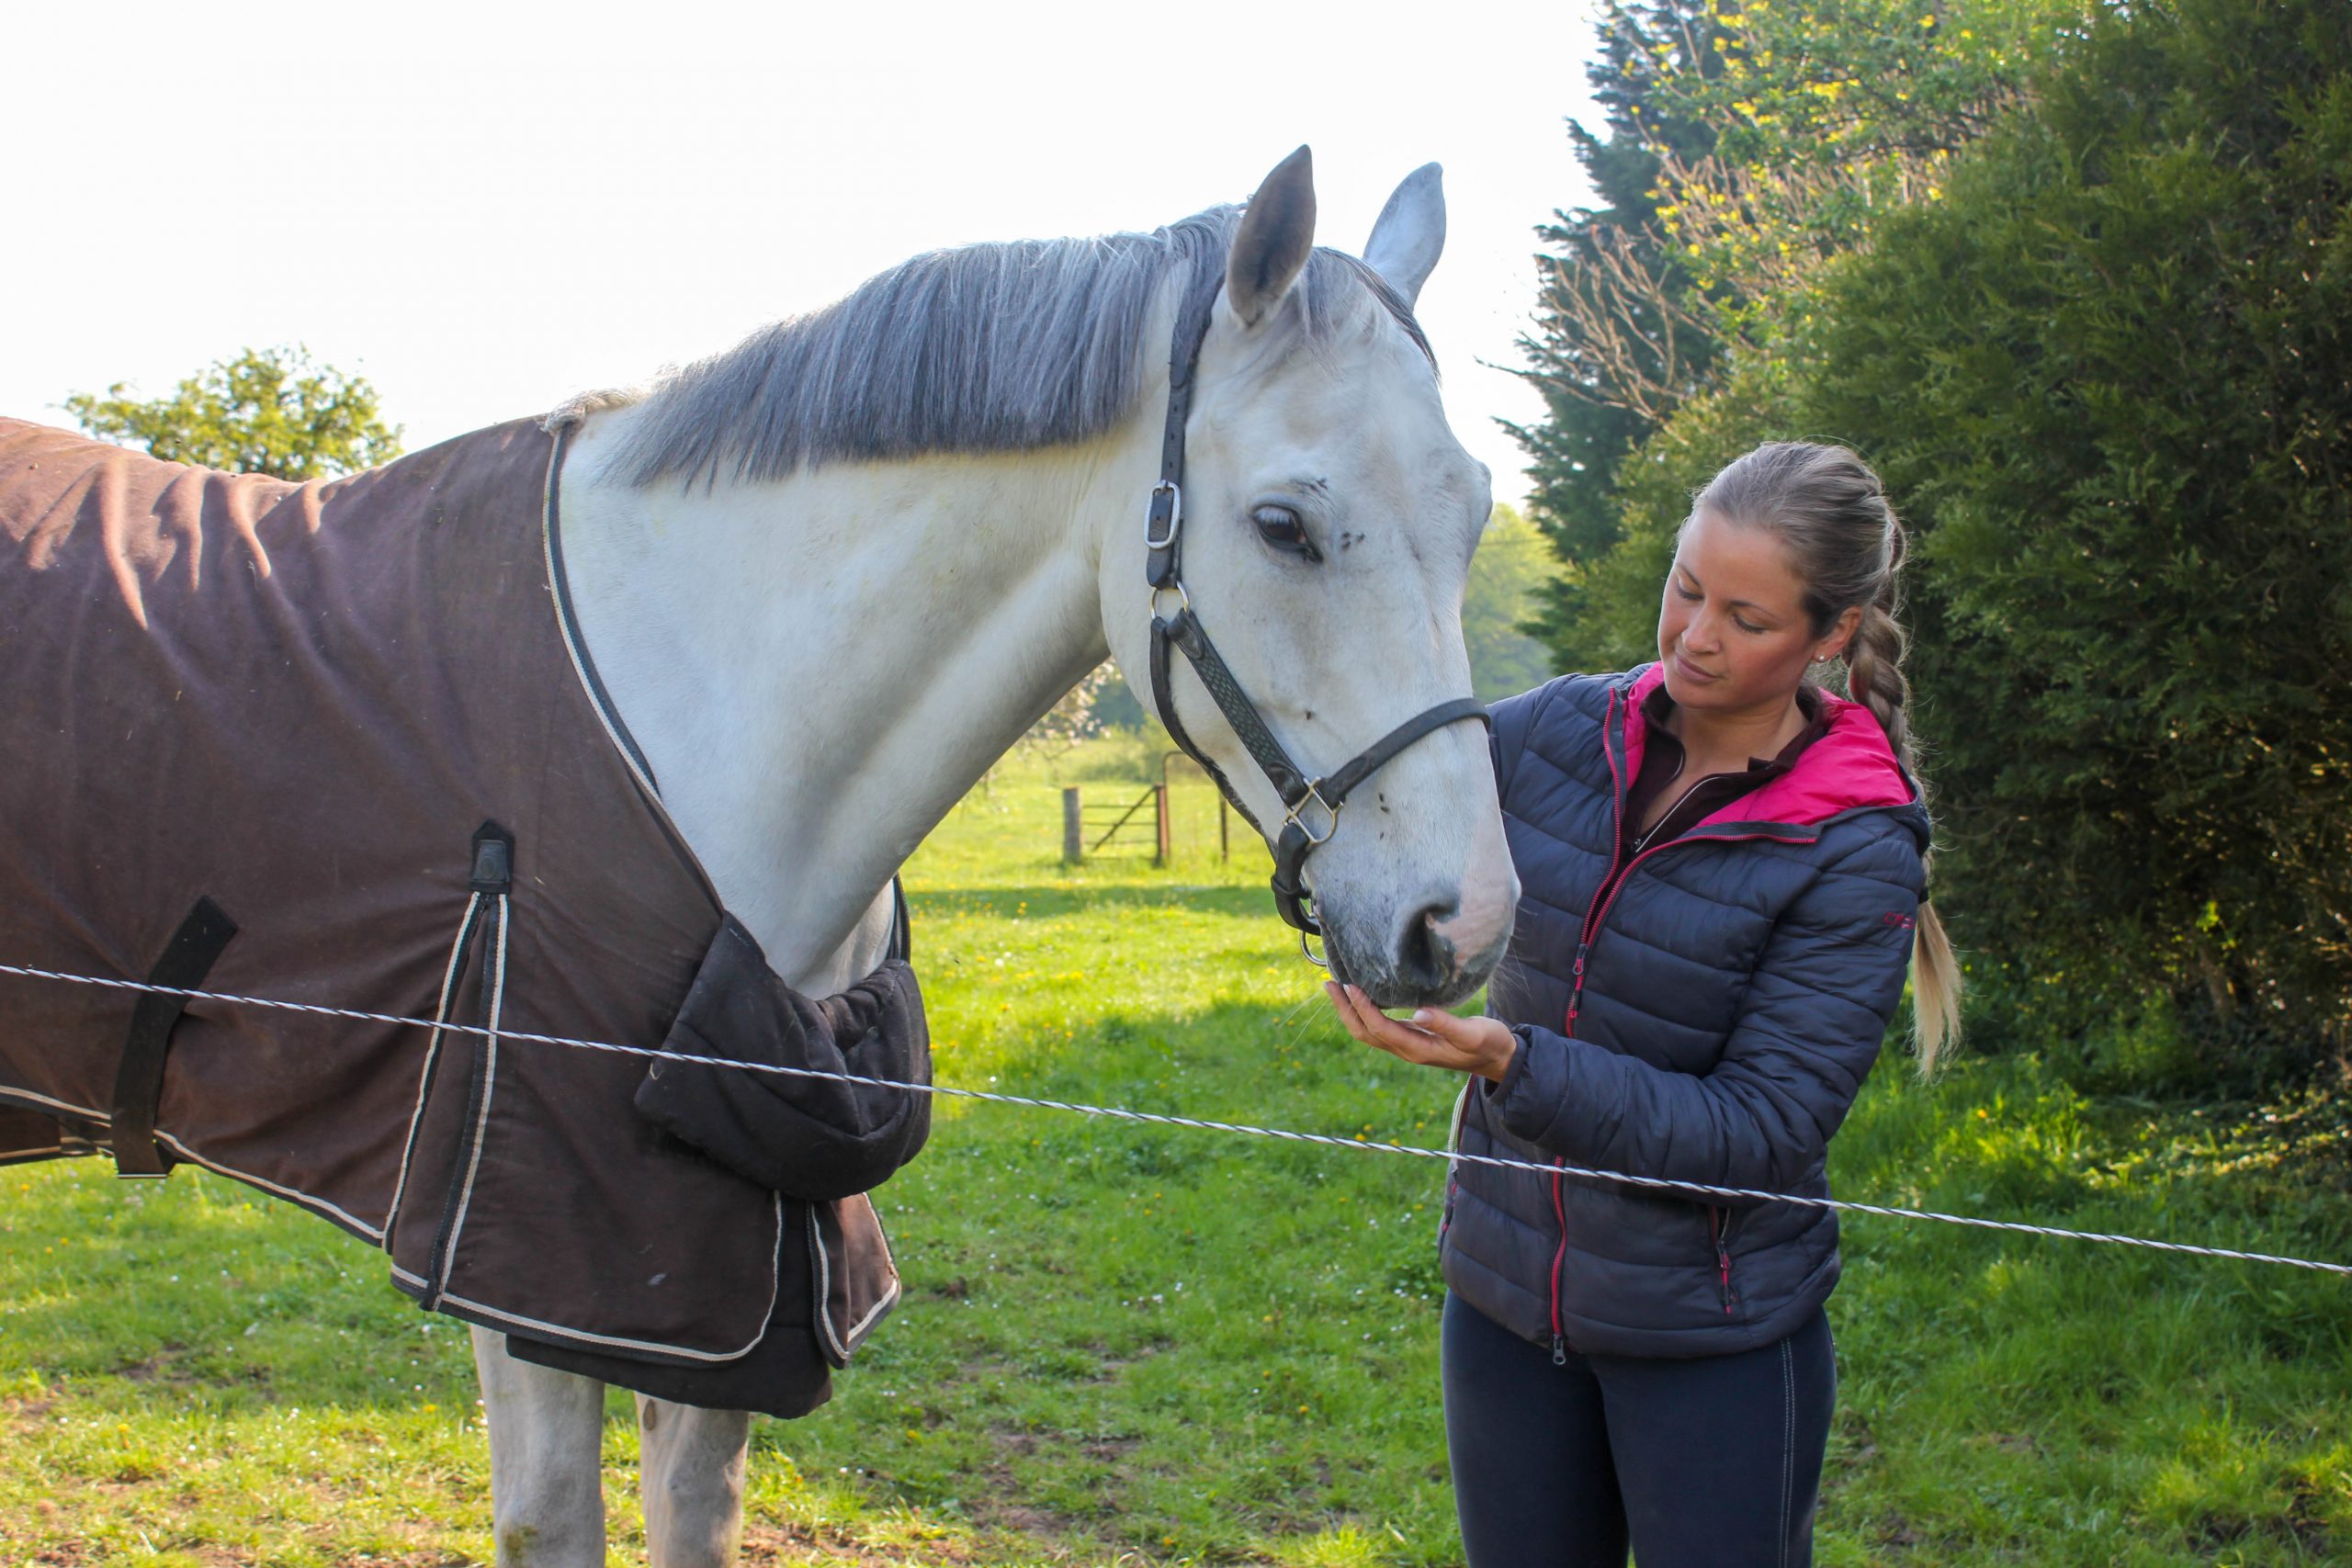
x,y
491,861
187,958
1310,806
397,651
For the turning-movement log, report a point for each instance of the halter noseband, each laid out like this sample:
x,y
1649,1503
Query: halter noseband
x,y
1310,806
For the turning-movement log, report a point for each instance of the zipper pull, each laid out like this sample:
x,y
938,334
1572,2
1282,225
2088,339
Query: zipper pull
x,y
1559,1351
1582,948
1722,1264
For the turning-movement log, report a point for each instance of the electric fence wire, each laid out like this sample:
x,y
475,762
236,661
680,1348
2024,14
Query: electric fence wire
x,y
1119,1113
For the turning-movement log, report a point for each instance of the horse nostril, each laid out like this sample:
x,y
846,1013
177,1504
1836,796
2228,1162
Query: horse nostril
x,y
1424,957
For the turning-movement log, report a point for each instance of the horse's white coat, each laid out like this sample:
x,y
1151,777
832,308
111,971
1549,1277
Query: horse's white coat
x,y
1411,234
819,668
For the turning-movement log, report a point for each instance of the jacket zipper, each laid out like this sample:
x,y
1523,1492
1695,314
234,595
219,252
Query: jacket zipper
x,y
1719,1226
1612,883
1576,995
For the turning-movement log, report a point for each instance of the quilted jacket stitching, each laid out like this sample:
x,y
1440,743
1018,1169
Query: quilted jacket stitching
x,y
1857,862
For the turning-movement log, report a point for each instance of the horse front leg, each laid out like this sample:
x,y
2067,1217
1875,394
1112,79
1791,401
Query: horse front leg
x,y
547,1427
690,1465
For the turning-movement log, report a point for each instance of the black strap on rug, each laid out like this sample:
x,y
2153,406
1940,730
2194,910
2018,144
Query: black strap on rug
x,y
187,958
490,879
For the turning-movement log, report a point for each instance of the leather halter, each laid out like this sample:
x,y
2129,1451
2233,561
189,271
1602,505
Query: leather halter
x,y
1310,806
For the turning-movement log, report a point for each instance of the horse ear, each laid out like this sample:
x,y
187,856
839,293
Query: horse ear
x,y
1276,235
1410,234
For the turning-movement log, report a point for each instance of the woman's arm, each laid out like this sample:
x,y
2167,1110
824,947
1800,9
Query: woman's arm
x,y
1513,720
1817,1009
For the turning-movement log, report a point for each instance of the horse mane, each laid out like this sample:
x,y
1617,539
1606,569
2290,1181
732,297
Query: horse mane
x,y
1000,347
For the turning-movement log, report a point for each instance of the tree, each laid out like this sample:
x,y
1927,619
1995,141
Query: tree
x,y
1511,568
1750,142
2105,375
1828,115
1775,137
1615,347
2086,300
266,411
1071,720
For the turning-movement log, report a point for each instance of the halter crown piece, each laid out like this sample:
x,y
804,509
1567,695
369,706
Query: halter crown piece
x,y
1310,806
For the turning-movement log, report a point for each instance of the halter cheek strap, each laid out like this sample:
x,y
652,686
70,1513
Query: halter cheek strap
x,y
1310,806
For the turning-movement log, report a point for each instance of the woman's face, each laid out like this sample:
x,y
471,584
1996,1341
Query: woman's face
x,y
1732,629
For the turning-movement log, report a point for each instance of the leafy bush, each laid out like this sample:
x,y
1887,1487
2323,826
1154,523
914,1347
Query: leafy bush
x,y
2103,368
2107,376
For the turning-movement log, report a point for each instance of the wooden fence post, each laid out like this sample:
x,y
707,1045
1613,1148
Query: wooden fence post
x,y
1073,834
1159,811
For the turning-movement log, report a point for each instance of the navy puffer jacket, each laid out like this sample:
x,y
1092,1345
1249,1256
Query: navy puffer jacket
x,y
1735,990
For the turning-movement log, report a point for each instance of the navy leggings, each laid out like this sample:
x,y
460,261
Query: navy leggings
x,y
1714,1462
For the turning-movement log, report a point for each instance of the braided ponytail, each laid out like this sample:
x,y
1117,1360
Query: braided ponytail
x,y
1875,653
1848,545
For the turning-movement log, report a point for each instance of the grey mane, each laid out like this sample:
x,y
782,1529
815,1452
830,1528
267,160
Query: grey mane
x,y
983,348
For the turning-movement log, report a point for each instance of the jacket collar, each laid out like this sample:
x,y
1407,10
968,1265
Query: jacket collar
x,y
1850,768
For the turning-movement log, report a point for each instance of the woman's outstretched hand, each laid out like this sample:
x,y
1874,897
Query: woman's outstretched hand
x,y
1433,1037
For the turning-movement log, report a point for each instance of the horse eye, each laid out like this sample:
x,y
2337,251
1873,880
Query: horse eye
x,y
1281,527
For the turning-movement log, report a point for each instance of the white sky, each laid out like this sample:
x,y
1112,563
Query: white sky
x,y
486,207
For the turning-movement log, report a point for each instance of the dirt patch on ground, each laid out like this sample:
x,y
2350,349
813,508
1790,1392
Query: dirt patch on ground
x,y
1000,1507
800,1544
24,1410
1110,1366
74,1554
162,1365
63,1557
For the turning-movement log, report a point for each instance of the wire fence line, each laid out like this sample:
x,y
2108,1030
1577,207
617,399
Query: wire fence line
x,y
1121,1113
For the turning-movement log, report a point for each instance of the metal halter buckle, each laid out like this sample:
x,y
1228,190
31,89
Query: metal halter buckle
x,y
1175,515
1183,600
1314,794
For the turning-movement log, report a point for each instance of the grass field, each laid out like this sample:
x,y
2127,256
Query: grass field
x,y
1146,1346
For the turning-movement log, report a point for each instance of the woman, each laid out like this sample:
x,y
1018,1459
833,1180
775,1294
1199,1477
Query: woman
x,y
1723,868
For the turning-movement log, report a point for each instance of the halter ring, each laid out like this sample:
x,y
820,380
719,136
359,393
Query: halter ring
x,y
1183,599
1175,515
1314,793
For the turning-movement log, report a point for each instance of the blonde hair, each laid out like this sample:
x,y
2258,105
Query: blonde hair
x,y
1831,510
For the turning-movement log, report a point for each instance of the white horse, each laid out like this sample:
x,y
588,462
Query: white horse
x,y
832,575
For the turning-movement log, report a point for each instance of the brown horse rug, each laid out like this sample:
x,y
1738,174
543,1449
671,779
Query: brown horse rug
x,y
340,743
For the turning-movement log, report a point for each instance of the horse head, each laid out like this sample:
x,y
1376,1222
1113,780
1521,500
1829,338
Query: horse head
x,y
1327,516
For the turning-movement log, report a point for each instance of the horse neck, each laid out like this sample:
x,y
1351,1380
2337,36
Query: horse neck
x,y
817,669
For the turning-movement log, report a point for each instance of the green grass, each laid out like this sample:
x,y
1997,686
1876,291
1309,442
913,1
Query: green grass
x,y
1139,1345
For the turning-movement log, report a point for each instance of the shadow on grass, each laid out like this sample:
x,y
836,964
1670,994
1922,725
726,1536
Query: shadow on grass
x,y
175,1283
1186,1342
